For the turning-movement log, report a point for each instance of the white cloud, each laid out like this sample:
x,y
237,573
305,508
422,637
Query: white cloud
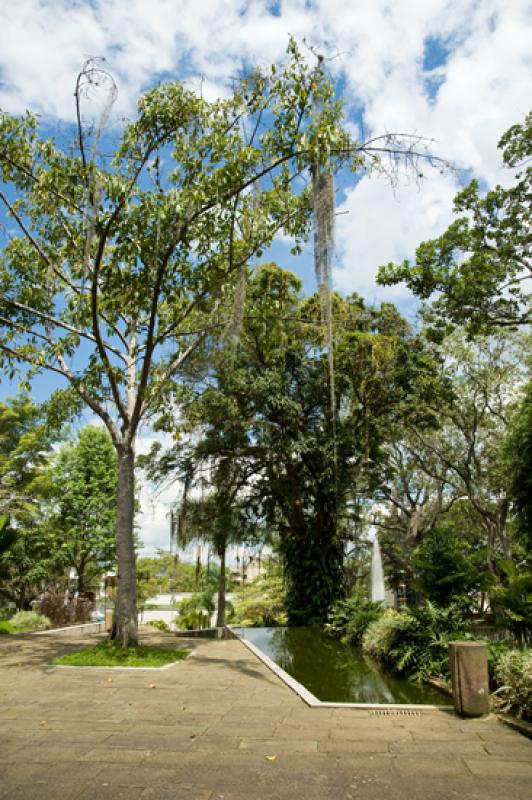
x,y
483,82
481,87
153,521
382,225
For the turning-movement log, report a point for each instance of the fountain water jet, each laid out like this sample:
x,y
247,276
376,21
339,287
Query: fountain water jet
x,y
378,591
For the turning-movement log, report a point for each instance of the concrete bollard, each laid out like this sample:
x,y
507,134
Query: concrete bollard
x,y
469,677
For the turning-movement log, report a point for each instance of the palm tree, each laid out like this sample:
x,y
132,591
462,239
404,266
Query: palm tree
x,y
219,517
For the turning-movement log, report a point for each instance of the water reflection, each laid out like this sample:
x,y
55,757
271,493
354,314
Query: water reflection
x,y
333,671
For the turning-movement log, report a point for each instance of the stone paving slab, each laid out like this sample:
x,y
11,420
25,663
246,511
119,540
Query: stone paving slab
x,y
221,726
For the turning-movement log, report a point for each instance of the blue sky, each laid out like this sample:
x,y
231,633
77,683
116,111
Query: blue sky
x,y
457,71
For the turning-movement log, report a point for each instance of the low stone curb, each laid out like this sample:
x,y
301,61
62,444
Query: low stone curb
x,y
517,724
73,630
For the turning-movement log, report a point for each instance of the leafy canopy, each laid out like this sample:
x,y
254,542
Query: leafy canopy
x,y
481,264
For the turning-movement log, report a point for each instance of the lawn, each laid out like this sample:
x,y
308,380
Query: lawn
x,y
109,654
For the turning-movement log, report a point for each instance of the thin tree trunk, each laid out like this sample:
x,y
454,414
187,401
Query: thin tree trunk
x,y
125,622
220,616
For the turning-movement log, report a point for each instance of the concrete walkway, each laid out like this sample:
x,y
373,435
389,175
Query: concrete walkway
x,y
221,726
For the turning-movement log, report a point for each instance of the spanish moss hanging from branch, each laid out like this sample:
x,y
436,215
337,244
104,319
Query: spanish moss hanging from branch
x,y
324,207
323,197
234,326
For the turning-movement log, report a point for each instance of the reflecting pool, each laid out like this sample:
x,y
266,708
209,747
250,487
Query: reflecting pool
x,y
336,672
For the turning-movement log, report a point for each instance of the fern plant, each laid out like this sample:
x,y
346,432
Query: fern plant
x,y
414,642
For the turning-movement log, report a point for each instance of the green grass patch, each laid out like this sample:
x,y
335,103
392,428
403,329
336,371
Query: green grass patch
x,y
109,654
6,627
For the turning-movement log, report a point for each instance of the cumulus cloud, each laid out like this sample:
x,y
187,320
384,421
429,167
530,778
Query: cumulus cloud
x,y
454,70
383,225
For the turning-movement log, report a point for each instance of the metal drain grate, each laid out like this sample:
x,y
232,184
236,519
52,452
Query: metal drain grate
x,y
391,713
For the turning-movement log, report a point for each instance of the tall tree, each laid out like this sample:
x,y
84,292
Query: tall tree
x,y
480,267
126,257
518,450
30,555
117,278
463,456
267,404
25,443
85,478
220,518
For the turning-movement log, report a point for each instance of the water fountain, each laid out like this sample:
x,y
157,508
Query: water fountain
x,y
378,591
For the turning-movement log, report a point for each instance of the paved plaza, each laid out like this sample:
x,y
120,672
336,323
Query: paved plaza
x,y
221,726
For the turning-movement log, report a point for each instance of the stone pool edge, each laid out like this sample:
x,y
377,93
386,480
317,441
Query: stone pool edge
x,y
313,701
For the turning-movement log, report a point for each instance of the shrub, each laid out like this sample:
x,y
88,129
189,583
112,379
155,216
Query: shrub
x,y
514,675
161,625
496,650
261,604
414,642
62,610
513,603
30,621
448,569
382,633
194,612
192,620
349,619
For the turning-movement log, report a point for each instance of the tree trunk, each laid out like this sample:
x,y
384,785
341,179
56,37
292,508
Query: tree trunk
x,y
220,616
314,572
125,622
80,569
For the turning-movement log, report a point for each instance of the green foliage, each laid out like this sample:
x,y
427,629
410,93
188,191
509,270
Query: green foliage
x,y
479,265
381,634
125,263
267,408
518,449
33,560
414,642
8,536
167,574
196,611
30,554
6,627
349,619
454,473
514,675
496,650
512,601
192,614
85,481
30,621
25,442
447,568
260,604
109,654
161,625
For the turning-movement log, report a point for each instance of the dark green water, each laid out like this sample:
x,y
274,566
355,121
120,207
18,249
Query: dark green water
x,y
336,672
